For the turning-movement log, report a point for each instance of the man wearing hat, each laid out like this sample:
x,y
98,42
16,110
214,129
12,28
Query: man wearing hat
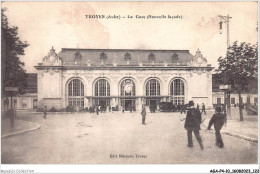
x,y
143,113
218,120
45,112
192,124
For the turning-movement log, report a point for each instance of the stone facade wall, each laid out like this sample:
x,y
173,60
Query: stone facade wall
x,y
53,85
54,76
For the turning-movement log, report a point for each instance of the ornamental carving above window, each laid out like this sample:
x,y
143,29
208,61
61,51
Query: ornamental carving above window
x,y
103,56
127,56
151,57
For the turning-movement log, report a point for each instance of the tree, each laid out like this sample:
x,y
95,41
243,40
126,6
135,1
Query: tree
x,y
238,68
13,74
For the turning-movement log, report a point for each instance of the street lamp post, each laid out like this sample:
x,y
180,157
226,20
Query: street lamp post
x,y
225,19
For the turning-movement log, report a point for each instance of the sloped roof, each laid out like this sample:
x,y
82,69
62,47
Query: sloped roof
x,y
93,55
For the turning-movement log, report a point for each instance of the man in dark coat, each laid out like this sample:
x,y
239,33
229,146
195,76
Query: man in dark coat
x,y
45,112
203,109
218,120
192,123
143,113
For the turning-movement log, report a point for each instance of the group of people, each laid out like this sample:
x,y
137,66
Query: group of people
x,y
193,121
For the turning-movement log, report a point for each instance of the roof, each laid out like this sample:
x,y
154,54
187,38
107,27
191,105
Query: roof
x,y
111,55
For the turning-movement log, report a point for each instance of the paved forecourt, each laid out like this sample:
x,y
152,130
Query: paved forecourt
x,y
84,138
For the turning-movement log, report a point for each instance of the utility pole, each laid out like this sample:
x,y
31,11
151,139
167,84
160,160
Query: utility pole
x,y
225,19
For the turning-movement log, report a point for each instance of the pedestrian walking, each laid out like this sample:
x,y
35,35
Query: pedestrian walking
x,y
198,106
123,109
45,112
218,119
143,113
131,109
97,109
192,124
71,109
203,108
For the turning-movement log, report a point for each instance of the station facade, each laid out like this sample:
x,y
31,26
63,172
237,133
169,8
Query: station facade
x,y
123,78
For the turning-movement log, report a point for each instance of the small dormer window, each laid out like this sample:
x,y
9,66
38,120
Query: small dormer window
x,y
175,58
103,56
127,56
151,57
78,56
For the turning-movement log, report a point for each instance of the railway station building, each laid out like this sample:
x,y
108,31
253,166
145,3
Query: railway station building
x,y
126,78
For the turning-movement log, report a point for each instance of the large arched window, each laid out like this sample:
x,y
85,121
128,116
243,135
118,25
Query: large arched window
x,y
127,88
76,93
177,90
102,88
127,91
152,87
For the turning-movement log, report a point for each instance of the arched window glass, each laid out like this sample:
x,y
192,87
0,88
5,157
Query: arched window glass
x,y
76,93
177,90
152,87
128,88
102,88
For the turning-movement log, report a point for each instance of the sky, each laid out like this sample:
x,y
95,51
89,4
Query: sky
x,y
64,25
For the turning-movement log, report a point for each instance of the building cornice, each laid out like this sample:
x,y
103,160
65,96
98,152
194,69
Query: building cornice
x,y
162,68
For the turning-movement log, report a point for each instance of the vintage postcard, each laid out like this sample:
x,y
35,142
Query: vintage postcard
x,y
129,83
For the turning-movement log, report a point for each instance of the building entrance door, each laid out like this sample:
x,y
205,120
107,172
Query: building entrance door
x,y
34,103
102,103
129,104
153,104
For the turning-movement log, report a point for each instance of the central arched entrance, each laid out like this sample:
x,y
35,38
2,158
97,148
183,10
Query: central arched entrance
x,y
127,93
102,91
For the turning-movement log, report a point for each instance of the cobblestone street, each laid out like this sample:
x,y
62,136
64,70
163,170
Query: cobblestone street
x,y
84,138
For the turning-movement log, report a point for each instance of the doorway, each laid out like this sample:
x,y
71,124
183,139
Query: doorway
x,y
129,104
34,103
103,103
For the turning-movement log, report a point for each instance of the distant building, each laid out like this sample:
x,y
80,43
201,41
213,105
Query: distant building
x,y
249,93
123,77
28,100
